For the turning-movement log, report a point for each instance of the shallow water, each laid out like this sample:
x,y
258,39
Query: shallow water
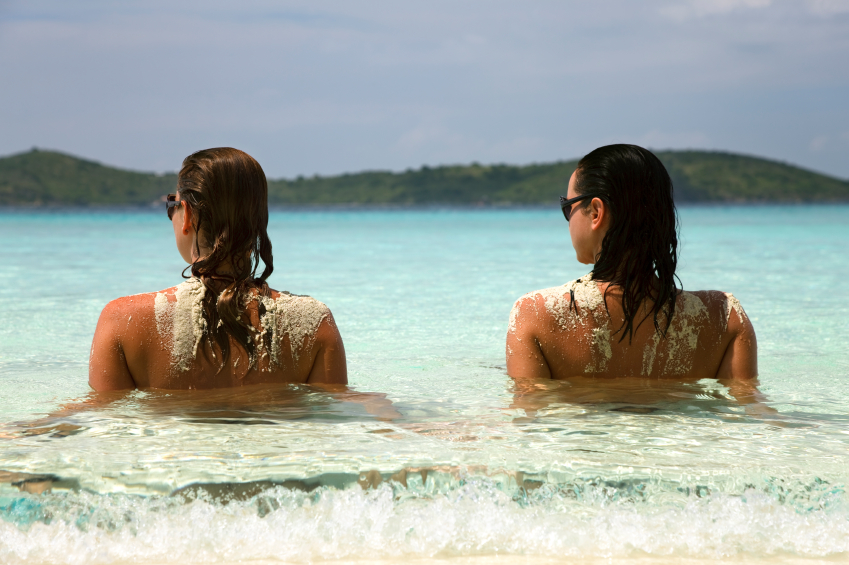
x,y
458,462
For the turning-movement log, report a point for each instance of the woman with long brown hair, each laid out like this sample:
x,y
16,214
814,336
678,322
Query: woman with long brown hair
x,y
223,327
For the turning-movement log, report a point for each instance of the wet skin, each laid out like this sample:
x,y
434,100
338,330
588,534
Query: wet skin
x,y
128,352
545,344
642,396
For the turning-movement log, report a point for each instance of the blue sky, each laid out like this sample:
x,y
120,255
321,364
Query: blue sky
x,y
334,86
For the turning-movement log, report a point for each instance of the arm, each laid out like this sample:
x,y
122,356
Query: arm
x,y
107,366
740,360
61,423
375,403
329,366
524,356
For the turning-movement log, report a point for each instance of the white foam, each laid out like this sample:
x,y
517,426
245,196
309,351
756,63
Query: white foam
x,y
471,520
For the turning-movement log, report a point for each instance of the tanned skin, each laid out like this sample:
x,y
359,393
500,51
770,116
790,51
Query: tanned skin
x,y
127,351
538,347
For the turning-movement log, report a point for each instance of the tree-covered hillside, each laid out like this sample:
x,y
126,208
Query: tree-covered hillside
x,y
456,184
45,178
702,176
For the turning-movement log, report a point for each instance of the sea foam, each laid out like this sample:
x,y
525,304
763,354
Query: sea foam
x,y
475,517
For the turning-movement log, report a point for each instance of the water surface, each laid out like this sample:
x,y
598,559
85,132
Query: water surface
x,y
458,461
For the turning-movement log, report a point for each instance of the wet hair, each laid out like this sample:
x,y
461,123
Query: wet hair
x,y
639,253
227,192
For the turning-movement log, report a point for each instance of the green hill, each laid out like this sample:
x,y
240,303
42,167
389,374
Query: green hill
x,y
46,178
702,176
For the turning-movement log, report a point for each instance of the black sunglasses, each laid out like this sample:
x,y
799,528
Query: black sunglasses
x,y
171,202
566,203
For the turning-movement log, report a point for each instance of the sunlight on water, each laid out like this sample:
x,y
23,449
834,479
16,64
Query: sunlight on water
x,y
432,452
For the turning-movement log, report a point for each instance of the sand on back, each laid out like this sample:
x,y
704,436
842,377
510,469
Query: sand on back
x,y
283,325
580,335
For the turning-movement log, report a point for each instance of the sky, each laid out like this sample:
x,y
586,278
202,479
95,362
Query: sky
x,y
325,87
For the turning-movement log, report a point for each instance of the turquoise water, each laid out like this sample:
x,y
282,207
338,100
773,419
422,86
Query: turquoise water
x,y
579,470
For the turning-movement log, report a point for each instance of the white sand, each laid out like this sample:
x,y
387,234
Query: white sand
x,y
682,337
679,346
732,304
181,324
297,317
649,354
588,303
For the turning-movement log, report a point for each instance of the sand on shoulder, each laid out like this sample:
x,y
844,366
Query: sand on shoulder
x,y
578,310
181,324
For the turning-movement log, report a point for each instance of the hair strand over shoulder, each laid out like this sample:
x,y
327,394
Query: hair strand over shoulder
x,y
227,192
639,253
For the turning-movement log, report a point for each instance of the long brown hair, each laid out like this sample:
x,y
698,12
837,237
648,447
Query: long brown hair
x,y
640,251
227,192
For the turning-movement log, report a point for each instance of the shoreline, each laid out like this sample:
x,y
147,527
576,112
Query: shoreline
x,y
354,207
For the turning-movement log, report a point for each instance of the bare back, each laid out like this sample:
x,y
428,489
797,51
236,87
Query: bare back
x,y
160,340
568,331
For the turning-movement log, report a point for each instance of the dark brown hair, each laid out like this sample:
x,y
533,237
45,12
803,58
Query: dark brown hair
x,y
639,253
227,192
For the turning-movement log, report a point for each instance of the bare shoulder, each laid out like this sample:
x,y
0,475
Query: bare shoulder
x,y
725,307
286,295
301,305
567,306
540,306
121,335
710,298
301,317
128,308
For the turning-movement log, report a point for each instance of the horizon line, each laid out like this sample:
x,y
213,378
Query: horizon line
x,y
37,149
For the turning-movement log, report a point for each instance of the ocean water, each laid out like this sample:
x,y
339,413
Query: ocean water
x,y
432,454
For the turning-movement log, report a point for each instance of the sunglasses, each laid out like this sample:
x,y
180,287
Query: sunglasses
x,y
566,203
171,203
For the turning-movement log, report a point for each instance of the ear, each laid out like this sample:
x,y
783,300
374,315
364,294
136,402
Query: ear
x,y
598,213
187,226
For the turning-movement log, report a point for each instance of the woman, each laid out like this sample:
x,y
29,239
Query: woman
x,y
223,327
627,317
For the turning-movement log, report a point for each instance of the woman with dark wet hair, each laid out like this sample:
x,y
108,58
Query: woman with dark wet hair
x,y
627,317
223,326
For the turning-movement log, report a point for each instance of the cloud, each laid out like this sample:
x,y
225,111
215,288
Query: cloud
x,y
818,143
429,136
673,140
655,139
828,7
330,85
438,139
701,8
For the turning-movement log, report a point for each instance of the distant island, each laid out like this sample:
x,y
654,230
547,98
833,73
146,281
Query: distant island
x,y
48,178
